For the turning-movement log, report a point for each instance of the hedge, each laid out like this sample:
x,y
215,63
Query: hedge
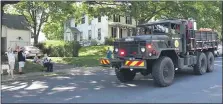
x,y
109,41
57,48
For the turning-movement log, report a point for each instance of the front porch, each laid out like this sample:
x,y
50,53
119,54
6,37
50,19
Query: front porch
x,y
119,30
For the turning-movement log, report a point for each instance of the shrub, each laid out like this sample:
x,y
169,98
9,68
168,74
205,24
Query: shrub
x,y
109,41
94,42
56,48
94,50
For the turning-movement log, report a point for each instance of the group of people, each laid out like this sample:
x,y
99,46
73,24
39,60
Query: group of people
x,y
12,59
21,56
46,62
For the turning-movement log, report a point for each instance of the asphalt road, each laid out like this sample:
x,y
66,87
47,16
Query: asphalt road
x,y
98,86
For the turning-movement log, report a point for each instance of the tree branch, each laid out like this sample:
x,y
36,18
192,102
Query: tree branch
x,y
41,22
27,21
156,12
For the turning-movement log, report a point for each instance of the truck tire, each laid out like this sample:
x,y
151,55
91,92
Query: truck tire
x,y
163,71
201,67
124,75
210,61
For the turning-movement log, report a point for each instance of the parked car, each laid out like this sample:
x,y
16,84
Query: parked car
x,y
85,43
31,51
218,52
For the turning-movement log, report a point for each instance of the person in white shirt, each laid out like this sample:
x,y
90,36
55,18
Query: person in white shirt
x,y
47,63
11,60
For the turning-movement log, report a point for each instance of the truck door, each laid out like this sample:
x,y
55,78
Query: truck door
x,y
176,37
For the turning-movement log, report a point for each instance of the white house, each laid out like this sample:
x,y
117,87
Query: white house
x,y
99,28
14,32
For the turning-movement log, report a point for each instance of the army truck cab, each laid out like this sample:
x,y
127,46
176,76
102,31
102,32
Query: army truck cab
x,y
162,47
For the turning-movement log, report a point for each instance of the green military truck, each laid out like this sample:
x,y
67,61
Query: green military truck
x,y
162,48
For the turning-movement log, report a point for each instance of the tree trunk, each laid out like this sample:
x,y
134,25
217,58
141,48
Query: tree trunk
x,y
35,39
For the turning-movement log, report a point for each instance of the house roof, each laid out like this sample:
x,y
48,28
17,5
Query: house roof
x,y
73,29
14,21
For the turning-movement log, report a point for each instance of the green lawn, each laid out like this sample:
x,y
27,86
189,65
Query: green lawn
x,y
29,68
88,56
87,61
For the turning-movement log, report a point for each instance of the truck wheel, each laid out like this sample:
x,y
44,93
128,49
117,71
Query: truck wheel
x,y
210,61
163,71
124,75
201,67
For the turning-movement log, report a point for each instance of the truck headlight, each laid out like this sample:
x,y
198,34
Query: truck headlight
x,y
116,49
143,49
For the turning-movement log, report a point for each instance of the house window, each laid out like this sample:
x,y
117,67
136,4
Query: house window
x,y
116,18
89,34
120,33
99,19
128,20
99,34
81,36
113,31
83,20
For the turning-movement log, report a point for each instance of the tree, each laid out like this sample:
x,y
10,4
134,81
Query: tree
x,y
141,11
35,13
206,14
63,11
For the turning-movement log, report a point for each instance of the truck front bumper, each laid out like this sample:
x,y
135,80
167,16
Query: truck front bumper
x,y
134,64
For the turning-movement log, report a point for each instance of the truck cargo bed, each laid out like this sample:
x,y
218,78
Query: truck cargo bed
x,y
204,40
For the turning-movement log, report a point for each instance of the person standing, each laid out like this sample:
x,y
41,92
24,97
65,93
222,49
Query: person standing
x,y
109,54
21,60
11,61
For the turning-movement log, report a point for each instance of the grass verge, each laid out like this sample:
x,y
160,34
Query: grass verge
x,y
30,67
82,61
88,56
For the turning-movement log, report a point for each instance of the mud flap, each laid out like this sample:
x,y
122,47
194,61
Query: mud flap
x,y
104,62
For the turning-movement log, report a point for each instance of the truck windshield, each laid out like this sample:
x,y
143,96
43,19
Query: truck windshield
x,y
155,29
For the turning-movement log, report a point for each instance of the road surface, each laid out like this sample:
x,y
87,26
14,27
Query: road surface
x,y
99,86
